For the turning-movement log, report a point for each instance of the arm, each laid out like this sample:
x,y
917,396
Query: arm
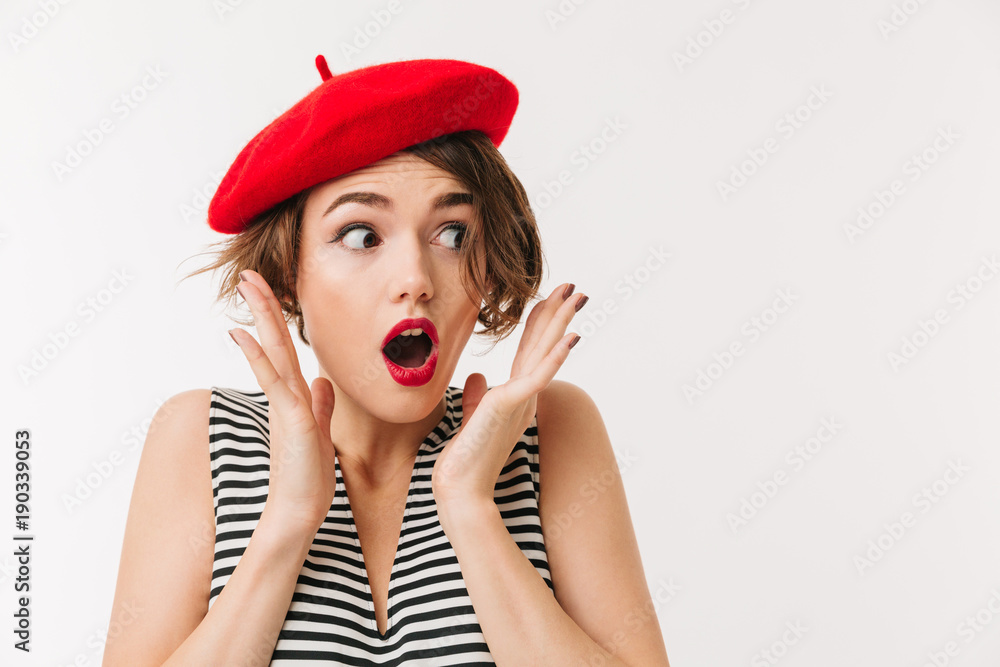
x,y
601,595
165,572
242,626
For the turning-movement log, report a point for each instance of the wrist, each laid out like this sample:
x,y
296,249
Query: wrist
x,y
286,531
456,511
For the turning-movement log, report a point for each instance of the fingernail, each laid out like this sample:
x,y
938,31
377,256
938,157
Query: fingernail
x,y
575,341
568,291
243,277
579,304
241,292
230,332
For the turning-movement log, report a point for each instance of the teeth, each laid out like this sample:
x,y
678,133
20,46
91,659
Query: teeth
x,y
411,332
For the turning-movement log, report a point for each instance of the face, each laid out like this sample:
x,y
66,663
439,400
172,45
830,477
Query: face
x,y
378,246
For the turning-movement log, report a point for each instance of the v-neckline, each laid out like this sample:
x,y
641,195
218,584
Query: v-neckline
x,y
446,424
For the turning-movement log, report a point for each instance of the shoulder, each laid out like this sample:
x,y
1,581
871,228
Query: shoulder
x,y
566,416
179,432
184,411
573,444
177,440
191,399
560,396
175,463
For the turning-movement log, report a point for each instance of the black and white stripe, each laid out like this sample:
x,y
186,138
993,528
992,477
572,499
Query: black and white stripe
x,y
331,619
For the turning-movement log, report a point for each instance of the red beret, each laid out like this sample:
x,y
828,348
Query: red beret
x,y
353,119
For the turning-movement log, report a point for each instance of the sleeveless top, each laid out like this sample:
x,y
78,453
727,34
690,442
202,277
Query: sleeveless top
x,y
331,618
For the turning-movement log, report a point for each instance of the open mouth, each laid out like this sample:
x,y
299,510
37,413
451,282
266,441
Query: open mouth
x,y
411,355
409,351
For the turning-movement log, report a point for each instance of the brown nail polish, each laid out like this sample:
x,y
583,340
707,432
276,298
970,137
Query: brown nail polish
x,y
240,292
579,304
575,341
569,290
243,277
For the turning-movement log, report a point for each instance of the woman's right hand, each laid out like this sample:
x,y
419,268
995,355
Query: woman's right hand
x,y
302,473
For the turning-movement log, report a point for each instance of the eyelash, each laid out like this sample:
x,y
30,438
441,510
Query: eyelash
x,y
342,232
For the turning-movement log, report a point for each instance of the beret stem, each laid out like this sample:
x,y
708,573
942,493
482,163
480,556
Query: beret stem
x,y
324,70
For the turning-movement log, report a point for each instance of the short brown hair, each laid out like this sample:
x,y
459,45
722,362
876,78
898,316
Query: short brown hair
x,y
502,220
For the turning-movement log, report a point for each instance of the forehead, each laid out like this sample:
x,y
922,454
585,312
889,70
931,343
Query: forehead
x,y
399,170
400,176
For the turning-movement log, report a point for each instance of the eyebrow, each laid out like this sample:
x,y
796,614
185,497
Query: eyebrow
x,y
376,200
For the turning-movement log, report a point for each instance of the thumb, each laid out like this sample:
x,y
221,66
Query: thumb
x,y
322,404
472,395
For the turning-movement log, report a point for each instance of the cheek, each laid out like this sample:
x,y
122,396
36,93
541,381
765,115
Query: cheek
x,y
451,303
467,315
339,340
327,298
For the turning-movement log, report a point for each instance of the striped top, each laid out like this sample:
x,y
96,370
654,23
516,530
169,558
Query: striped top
x,y
331,619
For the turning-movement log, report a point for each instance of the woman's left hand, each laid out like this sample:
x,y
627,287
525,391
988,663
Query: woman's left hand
x,y
468,467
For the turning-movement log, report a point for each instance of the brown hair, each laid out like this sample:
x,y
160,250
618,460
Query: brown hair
x,y
503,232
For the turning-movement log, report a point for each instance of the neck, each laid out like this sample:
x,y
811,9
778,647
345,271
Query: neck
x,y
379,439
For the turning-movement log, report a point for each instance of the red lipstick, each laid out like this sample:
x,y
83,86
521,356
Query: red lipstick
x,y
412,376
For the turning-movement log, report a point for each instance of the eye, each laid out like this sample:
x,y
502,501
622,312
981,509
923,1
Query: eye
x,y
358,234
366,237
455,231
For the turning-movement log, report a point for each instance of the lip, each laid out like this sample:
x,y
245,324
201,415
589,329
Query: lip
x,y
412,377
411,323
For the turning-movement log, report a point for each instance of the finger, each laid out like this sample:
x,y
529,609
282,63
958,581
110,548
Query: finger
x,y
274,387
543,372
273,304
553,332
539,317
274,338
531,328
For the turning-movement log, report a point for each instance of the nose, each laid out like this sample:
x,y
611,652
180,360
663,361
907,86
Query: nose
x,y
410,270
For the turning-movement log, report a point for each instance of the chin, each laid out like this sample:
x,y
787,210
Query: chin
x,y
406,406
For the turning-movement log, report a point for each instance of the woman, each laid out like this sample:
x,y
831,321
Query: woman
x,y
380,515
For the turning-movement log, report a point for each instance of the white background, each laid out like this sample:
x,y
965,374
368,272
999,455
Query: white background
x,y
893,76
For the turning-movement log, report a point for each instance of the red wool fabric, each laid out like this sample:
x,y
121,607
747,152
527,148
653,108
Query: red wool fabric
x,y
356,118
